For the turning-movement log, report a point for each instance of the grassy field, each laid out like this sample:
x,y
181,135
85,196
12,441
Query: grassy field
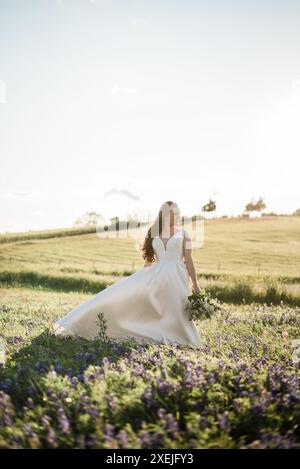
x,y
269,245
242,259
239,389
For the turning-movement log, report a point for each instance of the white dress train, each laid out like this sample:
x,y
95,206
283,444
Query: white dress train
x,y
149,305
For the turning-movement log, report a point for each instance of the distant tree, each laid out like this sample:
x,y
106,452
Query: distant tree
x,y
89,219
210,206
116,222
257,206
296,213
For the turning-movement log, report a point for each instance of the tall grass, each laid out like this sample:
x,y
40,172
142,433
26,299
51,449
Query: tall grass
x,y
239,389
236,292
56,283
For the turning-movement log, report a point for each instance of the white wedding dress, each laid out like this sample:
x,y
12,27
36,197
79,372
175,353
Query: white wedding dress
x,y
149,305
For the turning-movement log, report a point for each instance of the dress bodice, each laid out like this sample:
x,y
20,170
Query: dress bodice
x,y
172,251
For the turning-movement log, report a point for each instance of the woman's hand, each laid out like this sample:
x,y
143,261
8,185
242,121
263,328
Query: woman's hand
x,y
196,288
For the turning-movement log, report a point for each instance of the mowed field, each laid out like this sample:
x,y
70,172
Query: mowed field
x,y
268,245
239,389
241,258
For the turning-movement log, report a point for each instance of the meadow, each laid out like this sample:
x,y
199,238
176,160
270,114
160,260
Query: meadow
x,y
242,259
239,389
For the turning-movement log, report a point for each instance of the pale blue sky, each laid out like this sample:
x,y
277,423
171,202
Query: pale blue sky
x,y
118,105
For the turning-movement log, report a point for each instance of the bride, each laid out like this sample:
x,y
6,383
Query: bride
x,y
149,305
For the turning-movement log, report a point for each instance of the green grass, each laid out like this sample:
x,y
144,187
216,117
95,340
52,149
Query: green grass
x,y
242,259
239,389
44,234
270,245
235,290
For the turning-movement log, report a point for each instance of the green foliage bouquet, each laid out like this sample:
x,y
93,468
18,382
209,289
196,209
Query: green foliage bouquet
x,y
202,306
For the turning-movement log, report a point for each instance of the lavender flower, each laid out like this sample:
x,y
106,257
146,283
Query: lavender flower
x,y
63,421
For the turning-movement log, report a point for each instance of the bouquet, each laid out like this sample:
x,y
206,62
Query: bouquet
x,y
202,306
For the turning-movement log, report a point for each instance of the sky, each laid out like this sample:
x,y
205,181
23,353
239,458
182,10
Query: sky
x,y
115,106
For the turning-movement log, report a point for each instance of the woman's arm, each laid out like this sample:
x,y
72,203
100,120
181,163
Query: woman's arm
x,y
187,251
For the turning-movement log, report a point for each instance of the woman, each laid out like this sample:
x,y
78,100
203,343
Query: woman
x,y
149,305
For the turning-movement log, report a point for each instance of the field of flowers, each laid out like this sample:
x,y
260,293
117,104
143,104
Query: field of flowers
x,y
239,389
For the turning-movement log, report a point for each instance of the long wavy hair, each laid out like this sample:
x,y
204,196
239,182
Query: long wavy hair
x,y
160,225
